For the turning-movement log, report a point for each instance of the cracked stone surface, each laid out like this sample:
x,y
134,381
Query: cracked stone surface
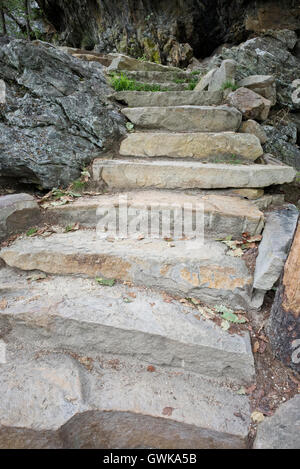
x,y
56,117
89,319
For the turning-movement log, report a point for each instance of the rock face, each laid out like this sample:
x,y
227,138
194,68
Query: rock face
x,y
164,30
274,247
282,430
282,143
17,212
2,92
267,55
56,117
250,104
284,323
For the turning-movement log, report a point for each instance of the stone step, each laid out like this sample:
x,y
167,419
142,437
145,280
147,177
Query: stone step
x,y
88,319
123,63
223,215
176,174
59,401
202,145
165,86
169,98
186,268
187,118
158,76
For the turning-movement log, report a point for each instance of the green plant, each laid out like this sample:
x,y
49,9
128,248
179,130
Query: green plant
x,y
180,80
78,185
143,58
229,85
192,85
120,82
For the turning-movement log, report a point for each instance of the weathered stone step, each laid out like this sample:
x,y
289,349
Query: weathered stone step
x,y
200,145
223,215
165,86
187,119
169,98
158,76
165,174
186,268
121,62
54,401
88,319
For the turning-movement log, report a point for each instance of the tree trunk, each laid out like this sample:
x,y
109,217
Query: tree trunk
x,y
3,21
284,323
27,17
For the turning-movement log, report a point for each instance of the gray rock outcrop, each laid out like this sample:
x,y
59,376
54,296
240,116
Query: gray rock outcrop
x,y
273,250
282,430
282,143
57,117
267,56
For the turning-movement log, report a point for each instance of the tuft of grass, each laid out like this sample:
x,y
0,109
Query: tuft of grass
x,y
123,83
192,85
78,185
229,85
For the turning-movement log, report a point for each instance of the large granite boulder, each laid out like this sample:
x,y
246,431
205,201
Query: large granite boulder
x,y
57,116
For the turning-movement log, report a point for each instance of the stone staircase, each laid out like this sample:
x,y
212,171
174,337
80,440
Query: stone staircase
x,y
105,348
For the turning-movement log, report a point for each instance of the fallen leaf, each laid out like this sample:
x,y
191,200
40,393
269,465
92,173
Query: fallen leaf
x,y
167,411
31,232
73,227
132,295
225,325
195,301
151,368
250,389
35,277
242,391
127,300
206,312
106,282
236,253
262,347
257,417
3,304
256,347
255,239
